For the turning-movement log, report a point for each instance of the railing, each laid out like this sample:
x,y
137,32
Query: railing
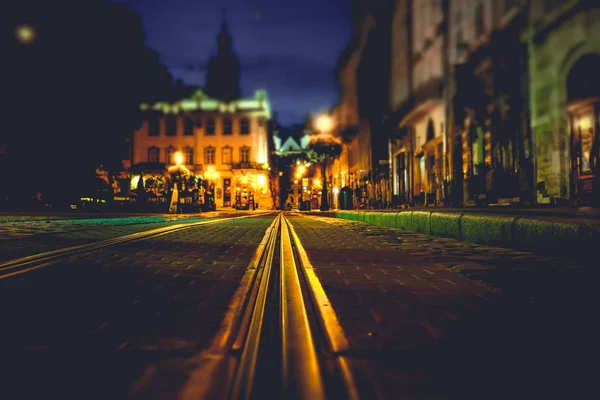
x,y
247,165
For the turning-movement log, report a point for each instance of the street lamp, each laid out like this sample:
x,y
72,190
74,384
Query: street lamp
x,y
178,158
324,124
300,171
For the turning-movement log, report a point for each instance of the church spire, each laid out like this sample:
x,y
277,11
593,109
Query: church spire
x,y
223,74
224,37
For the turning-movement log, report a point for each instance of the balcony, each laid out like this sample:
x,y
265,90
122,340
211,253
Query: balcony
x,y
247,165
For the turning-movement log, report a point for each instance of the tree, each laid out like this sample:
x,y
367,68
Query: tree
x,y
321,149
73,94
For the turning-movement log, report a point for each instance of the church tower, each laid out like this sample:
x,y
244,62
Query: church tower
x,y
223,75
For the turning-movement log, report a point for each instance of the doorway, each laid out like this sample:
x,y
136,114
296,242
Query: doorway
x,y
583,96
244,196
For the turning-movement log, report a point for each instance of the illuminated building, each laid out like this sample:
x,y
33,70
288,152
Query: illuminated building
x,y
223,138
564,99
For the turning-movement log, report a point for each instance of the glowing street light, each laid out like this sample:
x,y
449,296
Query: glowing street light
x,y
324,123
178,158
25,33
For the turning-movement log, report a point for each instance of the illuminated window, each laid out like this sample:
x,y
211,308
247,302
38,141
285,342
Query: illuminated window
x,y
171,126
153,126
170,152
153,154
227,155
188,155
209,155
245,154
245,126
188,127
210,126
227,126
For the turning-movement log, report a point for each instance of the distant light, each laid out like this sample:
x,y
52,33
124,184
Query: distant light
x,y
324,123
25,33
178,158
261,179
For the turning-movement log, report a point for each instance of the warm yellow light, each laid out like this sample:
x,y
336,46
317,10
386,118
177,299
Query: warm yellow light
x,y
324,123
317,182
25,33
336,190
178,158
261,179
585,123
301,169
295,182
298,175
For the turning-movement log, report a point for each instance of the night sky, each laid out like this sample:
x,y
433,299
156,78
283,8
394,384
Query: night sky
x,y
288,47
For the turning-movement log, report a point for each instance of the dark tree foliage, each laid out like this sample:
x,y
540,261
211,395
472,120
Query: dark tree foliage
x,y
71,97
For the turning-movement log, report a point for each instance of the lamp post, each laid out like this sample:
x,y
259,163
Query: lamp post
x,y
300,171
324,125
174,206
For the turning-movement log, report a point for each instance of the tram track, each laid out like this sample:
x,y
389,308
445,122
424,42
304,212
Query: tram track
x,y
34,262
281,337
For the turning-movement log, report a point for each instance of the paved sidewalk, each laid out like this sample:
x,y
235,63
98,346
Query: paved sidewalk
x,y
420,329
566,236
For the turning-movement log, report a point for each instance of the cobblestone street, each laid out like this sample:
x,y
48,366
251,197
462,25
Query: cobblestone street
x,y
91,327
439,318
425,317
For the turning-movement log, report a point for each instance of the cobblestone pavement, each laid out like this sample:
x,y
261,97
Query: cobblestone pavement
x,y
430,317
21,236
122,315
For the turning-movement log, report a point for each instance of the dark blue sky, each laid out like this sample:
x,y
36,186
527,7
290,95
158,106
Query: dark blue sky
x,y
289,47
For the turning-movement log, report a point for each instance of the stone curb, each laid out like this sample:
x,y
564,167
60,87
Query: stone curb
x,y
574,240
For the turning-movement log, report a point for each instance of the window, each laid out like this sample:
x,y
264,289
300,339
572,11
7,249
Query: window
x,y
153,126
245,154
227,126
245,126
171,126
479,22
209,155
226,153
170,153
153,154
188,156
210,126
188,127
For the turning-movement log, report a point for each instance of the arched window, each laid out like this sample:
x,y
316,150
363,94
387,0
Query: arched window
x,y
188,155
153,154
245,126
227,126
209,155
227,155
170,152
171,126
210,126
188,127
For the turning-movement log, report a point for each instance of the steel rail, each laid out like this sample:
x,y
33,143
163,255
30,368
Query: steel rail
x,y
248,338
218,372
301,369
327,318
37,261
230,366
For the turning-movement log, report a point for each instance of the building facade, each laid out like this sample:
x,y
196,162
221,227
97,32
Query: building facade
x,y
223,138
490,138
564,60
